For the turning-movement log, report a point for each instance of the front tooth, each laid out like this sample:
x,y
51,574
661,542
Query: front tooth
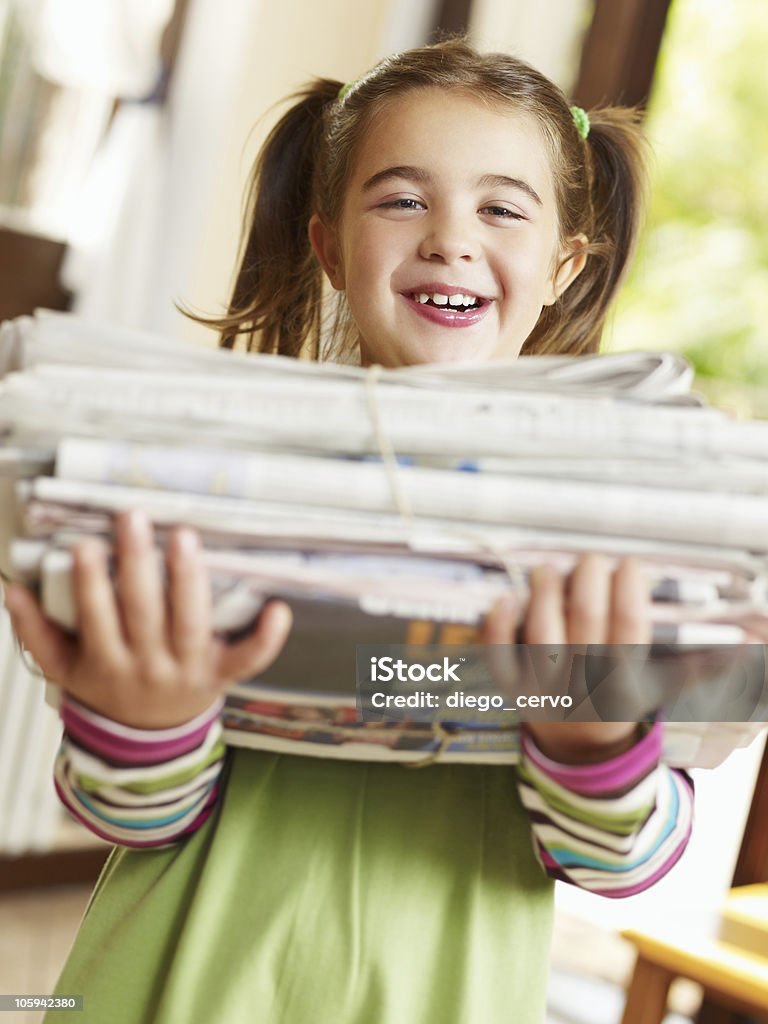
x,y
458,300
423,297
440,300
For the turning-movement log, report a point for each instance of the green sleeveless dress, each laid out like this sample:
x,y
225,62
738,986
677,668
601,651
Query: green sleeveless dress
x,y
325,892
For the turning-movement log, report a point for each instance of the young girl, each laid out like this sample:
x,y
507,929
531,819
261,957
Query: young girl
x,y
462,211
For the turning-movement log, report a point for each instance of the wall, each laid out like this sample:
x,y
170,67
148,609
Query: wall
x,y
547,33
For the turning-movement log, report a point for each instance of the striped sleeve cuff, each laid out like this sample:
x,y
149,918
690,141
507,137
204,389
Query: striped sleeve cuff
x,y
138,787
614,827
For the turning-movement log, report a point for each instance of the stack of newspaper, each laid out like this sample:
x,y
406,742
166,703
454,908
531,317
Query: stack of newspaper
x,y
391,506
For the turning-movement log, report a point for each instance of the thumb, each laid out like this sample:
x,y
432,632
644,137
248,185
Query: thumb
x,y
50,646
256,652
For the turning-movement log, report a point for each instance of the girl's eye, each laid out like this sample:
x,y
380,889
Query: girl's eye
x,y
503,212
405,203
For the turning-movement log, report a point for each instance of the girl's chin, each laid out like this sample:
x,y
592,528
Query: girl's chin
x,y
448,354
419,355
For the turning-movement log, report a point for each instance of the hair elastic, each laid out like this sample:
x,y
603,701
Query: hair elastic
x,y
581,120
345,89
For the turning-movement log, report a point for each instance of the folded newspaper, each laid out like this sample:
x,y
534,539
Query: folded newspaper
x,y
387,506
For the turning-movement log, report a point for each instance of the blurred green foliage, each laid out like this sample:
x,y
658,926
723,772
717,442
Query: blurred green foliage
x,y
700,282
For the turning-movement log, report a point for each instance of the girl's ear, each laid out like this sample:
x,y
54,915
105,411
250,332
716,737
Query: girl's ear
x,y
569,266
326,246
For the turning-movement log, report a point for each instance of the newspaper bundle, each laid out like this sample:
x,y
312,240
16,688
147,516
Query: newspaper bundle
x,y
382,504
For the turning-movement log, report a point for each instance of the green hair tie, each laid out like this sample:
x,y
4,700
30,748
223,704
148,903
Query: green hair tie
x,y
346,89
581,120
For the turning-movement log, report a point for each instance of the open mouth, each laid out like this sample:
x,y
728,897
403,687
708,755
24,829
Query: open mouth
x,y
457,303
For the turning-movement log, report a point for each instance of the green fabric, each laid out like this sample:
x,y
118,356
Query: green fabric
x,y
326,892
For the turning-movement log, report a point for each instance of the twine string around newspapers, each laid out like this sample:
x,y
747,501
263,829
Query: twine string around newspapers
x,y
400,497
403,506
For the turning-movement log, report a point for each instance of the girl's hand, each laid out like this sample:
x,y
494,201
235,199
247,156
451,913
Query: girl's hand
x,y
597,606
144,656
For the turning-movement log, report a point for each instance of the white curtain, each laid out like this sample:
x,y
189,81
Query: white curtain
x,y
107,45
139,221
98,51
116,229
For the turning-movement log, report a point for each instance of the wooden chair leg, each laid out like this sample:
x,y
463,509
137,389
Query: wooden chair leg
x,y
647,996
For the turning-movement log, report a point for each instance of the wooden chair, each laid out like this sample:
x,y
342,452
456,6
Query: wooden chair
x,y
731,966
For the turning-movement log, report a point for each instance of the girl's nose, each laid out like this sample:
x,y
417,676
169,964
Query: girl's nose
x,y
449,239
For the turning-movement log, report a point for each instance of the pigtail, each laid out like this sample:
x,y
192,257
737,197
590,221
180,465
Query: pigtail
x,y
277,296
609,209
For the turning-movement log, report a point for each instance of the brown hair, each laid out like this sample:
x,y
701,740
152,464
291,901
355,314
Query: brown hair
x,y
303,167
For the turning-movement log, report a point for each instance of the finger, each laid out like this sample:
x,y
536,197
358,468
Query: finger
x,y
630,621
50,646
499,635
501,622
98,618
250,656
189,596
589,601
142,598
545,618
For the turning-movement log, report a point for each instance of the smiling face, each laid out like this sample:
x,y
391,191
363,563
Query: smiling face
x,y
448,244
